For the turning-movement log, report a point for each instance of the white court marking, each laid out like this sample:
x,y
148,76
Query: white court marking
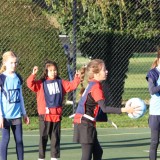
x,y
99,135
158,151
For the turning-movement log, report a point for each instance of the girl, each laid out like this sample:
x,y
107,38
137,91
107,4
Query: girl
x,y
92,106
11,105
153,79
50,91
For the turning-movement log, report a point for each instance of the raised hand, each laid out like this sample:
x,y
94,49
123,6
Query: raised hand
x,y
78,73
35,70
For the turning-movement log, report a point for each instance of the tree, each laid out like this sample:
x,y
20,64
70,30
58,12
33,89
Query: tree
x,y
132,17
111,30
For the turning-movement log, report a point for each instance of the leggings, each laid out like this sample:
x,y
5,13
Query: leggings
x,y
154,124
51,130
17,132
92,149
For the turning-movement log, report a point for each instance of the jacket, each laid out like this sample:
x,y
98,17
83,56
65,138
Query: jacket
x,y
51,114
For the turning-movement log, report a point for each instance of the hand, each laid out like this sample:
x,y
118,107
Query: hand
x,y
129,108
78,73
35,70
1,122
26,119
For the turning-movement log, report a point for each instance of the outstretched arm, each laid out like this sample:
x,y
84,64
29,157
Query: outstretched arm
x,y
108,109
69,86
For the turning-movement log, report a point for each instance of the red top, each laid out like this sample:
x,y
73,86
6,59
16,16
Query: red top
x,y
97,92
54,114
90,105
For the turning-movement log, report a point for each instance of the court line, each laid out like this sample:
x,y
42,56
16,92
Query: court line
x,y
158,151
99,135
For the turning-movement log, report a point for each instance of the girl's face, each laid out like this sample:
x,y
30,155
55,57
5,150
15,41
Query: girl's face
x,y
52,72
102,75
11,64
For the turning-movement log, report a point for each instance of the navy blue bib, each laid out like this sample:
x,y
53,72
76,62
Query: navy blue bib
x,y
53,93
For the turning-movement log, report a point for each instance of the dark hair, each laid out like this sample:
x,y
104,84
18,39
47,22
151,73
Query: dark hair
x,y
45,72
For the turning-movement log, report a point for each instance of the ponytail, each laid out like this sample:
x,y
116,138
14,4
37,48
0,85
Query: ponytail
x,y
94,66
82,70
2,69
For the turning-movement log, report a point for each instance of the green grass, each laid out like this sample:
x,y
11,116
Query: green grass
x,y
135,83
121,120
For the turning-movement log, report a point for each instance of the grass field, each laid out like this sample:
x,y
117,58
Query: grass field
x,y
117,144
121,120
135,83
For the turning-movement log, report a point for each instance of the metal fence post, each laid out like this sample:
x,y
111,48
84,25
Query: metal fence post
x,y
74,48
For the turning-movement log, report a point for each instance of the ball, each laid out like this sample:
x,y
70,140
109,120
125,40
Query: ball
x,y
140,106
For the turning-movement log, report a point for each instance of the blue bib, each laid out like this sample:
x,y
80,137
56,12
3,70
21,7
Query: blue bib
x,y
53,93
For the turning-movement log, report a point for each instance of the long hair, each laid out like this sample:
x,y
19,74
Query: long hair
x,y
94,66
49,63
156,61
5,57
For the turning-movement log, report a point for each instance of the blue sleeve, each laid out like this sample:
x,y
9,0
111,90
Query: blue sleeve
x,y
153,74
153,89
22,103
2,78
0,102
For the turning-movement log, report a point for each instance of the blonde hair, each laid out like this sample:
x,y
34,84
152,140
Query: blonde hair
x,y
5,56
94,66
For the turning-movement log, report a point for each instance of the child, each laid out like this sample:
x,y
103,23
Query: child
x,y
50,91
11,105
153,79
92,106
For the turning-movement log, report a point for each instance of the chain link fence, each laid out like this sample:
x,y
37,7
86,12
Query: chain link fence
x,y
125,34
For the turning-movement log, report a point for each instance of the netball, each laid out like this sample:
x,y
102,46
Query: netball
x,y
139,104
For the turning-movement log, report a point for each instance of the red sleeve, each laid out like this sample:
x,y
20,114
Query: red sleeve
x,y
69,86
97,92
33,84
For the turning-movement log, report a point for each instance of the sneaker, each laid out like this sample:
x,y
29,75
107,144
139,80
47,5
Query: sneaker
x,y
54,159
40,159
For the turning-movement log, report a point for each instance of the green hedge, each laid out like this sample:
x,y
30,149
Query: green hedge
x,y
26,31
